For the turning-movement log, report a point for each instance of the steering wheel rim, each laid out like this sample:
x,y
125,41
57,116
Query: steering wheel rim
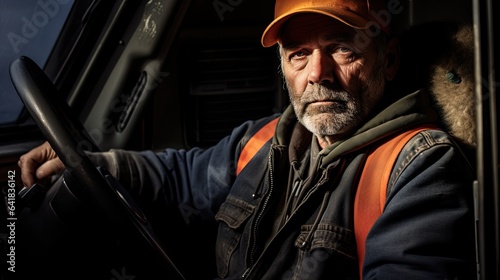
x,y
70,141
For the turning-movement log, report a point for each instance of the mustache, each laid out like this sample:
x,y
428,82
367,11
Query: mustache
x,y
322,93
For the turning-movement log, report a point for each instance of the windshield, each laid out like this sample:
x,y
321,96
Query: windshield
x,y
28,28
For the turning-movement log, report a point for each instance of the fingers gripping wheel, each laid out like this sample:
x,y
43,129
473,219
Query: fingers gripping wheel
x,y
70,140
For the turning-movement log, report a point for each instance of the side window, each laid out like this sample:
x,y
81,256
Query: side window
x,y
29,28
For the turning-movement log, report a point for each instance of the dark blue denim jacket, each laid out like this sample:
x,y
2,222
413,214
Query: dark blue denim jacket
x,y
425,232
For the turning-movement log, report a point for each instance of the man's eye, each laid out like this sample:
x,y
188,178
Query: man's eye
x,y
298,55
344,50
344,55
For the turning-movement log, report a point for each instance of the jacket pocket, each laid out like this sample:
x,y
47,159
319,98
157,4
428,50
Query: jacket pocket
x,y
325,252
329,237
232,215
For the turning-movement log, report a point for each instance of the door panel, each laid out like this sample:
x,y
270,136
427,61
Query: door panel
x,y
125,71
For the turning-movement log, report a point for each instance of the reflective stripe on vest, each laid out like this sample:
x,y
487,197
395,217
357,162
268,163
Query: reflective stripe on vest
x,y
255,144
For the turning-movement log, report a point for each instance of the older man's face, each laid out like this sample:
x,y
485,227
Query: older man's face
x,y
334,79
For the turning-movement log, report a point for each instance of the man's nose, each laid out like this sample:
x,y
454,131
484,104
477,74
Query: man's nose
x,y
321,67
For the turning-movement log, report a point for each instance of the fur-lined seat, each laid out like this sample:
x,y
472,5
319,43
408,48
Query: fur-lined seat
x,y
440,57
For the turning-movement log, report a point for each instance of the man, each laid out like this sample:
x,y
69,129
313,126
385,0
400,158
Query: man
x,y
289,213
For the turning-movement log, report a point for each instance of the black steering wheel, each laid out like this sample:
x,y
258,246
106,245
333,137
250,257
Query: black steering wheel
x,y
70,141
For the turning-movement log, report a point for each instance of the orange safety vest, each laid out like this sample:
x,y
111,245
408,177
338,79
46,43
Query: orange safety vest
x,y
372,187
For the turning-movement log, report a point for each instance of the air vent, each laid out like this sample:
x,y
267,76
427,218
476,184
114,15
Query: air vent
x,y
228,87
132,101
233,71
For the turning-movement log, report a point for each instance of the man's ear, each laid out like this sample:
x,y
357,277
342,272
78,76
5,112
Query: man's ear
x,y
392,59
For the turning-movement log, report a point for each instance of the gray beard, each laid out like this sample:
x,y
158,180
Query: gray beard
x,y
347,113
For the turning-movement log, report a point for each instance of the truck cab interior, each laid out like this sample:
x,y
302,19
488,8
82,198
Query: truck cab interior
x,y
151,74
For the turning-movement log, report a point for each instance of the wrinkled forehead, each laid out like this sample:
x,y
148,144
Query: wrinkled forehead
x,y
303,28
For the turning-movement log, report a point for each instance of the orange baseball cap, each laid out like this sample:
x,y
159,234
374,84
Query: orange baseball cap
x,y
359,14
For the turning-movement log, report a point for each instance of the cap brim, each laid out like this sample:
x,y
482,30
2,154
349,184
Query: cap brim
x,y
272,32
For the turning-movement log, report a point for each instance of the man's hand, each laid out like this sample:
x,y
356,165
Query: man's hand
x,y
38,164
